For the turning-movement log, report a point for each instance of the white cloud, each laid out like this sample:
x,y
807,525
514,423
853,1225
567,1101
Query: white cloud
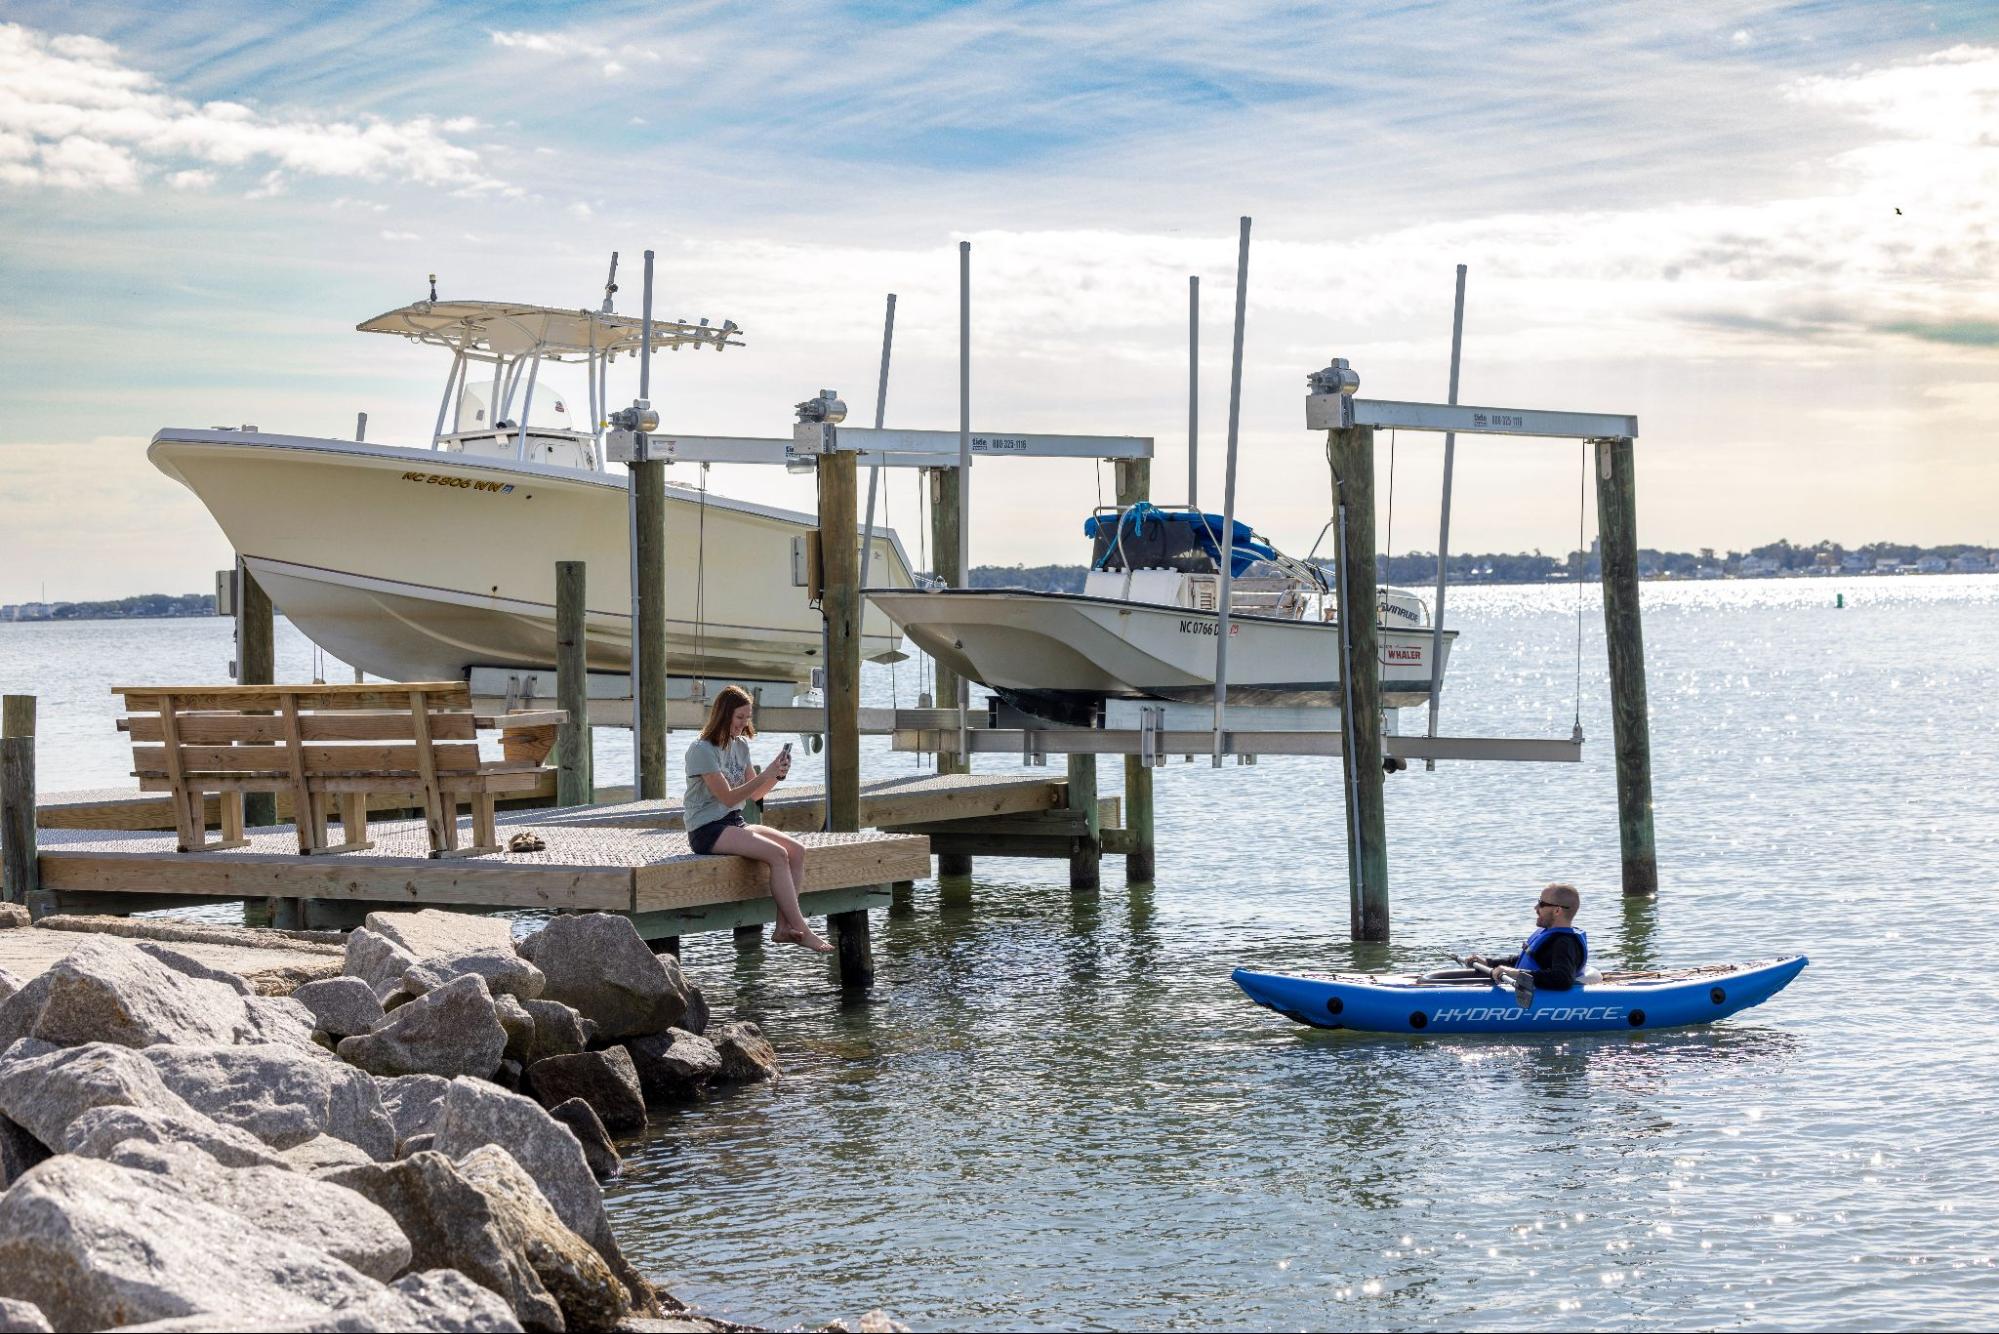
x,y
90,122
579,209
388,235
192,179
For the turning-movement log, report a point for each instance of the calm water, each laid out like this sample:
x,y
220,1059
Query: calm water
x,y
1057,1112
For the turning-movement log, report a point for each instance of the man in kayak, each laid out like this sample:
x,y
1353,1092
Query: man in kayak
x,y
1554,956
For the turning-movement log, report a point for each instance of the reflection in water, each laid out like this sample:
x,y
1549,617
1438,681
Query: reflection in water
x,y
1640,919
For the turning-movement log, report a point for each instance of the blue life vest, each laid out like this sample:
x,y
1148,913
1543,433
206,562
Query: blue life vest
x,y
1527,959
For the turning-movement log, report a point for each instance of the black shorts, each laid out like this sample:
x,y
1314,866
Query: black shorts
x,y
702,839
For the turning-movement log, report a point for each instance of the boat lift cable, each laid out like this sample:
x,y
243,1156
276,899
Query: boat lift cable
x,y
1389,537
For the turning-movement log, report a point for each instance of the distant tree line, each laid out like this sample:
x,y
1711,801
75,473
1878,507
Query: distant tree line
x,y
144,605
1533,567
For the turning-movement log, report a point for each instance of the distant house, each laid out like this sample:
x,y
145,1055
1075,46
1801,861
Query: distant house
x,y
1853,563
1971,563
1752,567
1887,565
1931,565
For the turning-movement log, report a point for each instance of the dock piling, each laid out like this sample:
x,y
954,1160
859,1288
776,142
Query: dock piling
x,y
945,491
18,856
1134,483
574,779
840,604
1085,850
1350,450
256,665
1624,643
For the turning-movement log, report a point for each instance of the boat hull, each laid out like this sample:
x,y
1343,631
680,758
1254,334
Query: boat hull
x,y
1060,649
1376,1004
419,565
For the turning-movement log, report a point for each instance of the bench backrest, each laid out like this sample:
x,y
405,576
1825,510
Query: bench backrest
x,y
285,734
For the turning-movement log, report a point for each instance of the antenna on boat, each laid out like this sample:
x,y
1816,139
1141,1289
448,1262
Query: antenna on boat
x,y
611,283
433,287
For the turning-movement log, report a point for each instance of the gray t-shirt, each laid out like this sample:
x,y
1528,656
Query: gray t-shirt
x,y
705,757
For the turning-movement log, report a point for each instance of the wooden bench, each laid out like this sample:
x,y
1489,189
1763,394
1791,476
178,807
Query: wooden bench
x,y
330,743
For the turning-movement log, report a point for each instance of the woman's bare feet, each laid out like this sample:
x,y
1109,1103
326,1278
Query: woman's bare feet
x,y
804,936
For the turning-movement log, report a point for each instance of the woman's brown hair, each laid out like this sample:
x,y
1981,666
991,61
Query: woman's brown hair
x,y
730,698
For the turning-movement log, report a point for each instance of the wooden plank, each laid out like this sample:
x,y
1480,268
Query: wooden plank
x,y
403,790
441,694
738,914
302,800
219,729
832,861
190,830
452,757
405,882
443,824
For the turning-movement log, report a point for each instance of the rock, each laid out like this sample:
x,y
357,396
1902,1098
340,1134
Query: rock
x,y
446,944
588,1127
399,996
519,1024
417,1144
558,1030
45,1088
476,1114
110,990
596,963
189,966
604,1079
376,960
746,1055
341,1006
281,1095
280,1203
674,1066
22,1317
99,1131
14,915
451,1224
9,984
590,1295
695,1020
509,1076
443,1299
97,1245
451,1031
19,1151
413,1102
322,1155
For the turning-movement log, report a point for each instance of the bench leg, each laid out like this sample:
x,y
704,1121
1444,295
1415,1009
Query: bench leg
x,y
353,822
190,824
483,831
232,820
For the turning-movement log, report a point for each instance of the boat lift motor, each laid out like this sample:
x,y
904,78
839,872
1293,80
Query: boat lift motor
x,y
817,430
632,438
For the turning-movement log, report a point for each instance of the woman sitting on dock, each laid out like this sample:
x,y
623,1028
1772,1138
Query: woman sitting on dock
x,y
720,778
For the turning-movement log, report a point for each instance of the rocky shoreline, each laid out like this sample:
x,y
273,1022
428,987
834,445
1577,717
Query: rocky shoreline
x,y
417,1143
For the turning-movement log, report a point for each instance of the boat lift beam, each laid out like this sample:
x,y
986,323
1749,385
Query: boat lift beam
x,y
1156,745
1338,412
899,448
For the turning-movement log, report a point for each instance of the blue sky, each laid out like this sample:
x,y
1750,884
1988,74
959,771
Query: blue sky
x,y
1687,212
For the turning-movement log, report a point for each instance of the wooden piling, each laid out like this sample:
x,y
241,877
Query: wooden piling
x,y
1351,452
946,487
1624,640
1134,483
649,635
1085,850
18,847
840,604
256,665
574,780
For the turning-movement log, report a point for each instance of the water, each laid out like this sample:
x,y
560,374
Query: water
x,y
1057,1112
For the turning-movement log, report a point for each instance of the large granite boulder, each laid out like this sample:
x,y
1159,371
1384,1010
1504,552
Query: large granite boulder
x,y
674,1066
280,1203
444,945
97,1245
323,1154
590,1295
14,915
747,1055
9,984
341,1006
453,1030
597,964
604,1079
588,1127
279,1094
43,1088
513,1017
413,1102
376,960
99,1131
558,1031
451,1224
109,990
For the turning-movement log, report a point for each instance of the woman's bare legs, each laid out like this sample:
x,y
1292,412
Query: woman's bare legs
x,y
785,871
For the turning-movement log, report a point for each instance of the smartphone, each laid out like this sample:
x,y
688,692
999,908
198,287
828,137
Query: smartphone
x,y
786,752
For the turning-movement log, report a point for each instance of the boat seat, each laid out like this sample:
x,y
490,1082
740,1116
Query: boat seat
x,y
331,745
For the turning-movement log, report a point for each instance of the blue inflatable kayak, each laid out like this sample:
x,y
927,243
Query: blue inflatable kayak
x,y
1454,1003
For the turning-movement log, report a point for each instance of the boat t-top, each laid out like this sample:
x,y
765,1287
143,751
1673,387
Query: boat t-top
x,y
1146,624
425,562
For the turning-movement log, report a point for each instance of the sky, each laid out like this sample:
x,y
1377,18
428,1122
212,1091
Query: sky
x,y
1768,230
